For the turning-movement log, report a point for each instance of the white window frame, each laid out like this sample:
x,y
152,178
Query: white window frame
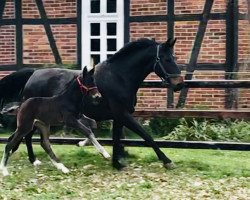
x,y
103,18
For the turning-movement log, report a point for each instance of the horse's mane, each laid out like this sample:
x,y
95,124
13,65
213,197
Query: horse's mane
x,y
129,47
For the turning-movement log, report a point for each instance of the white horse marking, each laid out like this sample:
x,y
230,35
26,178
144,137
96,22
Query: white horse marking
x,y
37,163
60,166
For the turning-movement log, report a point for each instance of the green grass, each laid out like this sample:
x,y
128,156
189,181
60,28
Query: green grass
x,y
200,174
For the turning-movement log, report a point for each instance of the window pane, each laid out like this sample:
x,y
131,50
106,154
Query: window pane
x,y
111,28
95,29
96,59
95,44
111,44
111,6
95,6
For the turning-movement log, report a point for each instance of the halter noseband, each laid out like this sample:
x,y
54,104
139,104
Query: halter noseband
x,y
158,61
84,89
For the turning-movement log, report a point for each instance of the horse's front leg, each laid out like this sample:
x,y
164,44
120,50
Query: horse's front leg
x,y
118,148
125,118
76,123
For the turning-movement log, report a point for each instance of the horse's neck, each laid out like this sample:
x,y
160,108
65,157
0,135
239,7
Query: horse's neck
x,y
139,68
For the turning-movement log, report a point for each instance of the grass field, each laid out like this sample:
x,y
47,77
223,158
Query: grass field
x,y
200,174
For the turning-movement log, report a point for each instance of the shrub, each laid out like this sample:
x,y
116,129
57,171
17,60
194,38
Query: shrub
x,y
208,130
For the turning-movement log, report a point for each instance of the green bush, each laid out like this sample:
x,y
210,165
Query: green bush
x,y
208,130
161,126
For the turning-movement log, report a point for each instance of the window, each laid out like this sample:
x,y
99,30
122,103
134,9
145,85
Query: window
x,y
102,29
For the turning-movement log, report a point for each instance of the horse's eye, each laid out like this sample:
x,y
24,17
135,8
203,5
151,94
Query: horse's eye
x,y
174,57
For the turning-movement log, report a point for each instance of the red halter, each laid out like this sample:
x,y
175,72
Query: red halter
x,y
84,88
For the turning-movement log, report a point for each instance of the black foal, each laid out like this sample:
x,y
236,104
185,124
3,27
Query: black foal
x,y
64,108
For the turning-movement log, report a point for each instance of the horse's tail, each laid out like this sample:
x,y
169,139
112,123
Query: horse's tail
x,y
11,86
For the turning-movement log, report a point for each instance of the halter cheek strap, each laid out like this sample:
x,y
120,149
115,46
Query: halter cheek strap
x,y
84,89
158,62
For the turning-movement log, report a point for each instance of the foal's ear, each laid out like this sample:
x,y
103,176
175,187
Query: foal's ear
x,y
84,71
170,42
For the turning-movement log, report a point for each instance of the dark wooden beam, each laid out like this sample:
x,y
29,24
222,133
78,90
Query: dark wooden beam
x,y
28,21
236,146
179,17
126,21
231,50
170,30
196,50
212,114
2,6
79,33
200,84
48,30
19,33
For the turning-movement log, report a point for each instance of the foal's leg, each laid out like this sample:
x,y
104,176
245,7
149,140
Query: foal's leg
x,y
73,122
89,123
47,147
14,140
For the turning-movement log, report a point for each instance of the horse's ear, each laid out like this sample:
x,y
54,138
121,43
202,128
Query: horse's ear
x,y
170,42
92,71
84,71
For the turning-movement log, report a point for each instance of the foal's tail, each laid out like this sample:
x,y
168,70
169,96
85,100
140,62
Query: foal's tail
x,y
11,86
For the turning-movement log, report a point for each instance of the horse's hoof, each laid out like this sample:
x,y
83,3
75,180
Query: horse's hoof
x,y
83,143
37,163
5,171
65,170
117,165
170,166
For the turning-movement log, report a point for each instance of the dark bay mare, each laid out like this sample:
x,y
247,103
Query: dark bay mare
x,y
118,80
41,112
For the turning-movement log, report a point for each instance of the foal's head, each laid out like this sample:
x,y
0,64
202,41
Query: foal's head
x,y
88,87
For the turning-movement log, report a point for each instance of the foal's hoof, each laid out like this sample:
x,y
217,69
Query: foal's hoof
x,y
83,143
117,165
170,166
106,155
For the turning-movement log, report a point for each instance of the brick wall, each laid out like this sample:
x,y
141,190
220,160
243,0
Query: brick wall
x,y
213,50
37,50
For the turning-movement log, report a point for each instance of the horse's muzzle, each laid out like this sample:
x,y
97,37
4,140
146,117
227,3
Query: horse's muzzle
x,y
176,83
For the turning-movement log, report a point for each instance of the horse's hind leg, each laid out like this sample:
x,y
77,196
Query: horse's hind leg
x,y
47,147
28,141
14,140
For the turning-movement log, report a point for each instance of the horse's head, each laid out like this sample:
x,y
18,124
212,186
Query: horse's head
x,y
165,65
88,87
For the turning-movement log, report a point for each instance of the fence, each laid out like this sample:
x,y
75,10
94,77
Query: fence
x,y
221,114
